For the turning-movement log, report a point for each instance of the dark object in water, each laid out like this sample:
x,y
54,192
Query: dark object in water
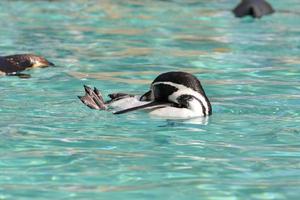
x,y
13,64
254,8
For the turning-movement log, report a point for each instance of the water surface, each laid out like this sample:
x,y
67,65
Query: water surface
x,y
54,147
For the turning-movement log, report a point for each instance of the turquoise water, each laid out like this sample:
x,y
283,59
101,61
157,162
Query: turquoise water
x,y
53,147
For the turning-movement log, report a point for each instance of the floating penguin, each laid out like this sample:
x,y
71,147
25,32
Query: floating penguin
x,y
254,8
171,95
14,64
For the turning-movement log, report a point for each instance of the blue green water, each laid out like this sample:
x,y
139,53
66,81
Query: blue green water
x,y
53,147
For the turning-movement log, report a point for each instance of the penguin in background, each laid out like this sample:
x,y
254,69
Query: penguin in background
x,y
253,8
13,65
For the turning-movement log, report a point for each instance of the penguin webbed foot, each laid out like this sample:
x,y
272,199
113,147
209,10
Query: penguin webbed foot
x,y
254,8
93,99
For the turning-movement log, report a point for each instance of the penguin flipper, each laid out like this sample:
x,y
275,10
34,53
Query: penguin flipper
x,y
147,96
93,99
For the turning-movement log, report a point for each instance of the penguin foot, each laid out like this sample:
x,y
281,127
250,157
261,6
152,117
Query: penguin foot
x,y
93,99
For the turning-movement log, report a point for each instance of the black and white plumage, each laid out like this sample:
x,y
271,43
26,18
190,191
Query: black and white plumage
x,y
254,8
171,95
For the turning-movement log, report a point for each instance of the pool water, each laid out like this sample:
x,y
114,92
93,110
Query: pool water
x,y
53,147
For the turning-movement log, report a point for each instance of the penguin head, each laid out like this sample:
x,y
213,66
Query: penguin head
x,y
25,61
38,61
167,83
175,89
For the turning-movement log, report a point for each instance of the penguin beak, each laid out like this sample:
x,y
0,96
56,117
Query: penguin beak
x,y
152,104
42,64
50,64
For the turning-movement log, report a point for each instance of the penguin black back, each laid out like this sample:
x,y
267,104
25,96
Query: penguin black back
x,y
254,8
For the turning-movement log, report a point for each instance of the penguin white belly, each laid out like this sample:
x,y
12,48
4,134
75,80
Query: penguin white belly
x,y
175,113
125,103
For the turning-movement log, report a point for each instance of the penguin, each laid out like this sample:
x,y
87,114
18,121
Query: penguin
x,y
14,64
254,8
172,94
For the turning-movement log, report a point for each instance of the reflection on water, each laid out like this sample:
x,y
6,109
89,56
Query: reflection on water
x,y
54,147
